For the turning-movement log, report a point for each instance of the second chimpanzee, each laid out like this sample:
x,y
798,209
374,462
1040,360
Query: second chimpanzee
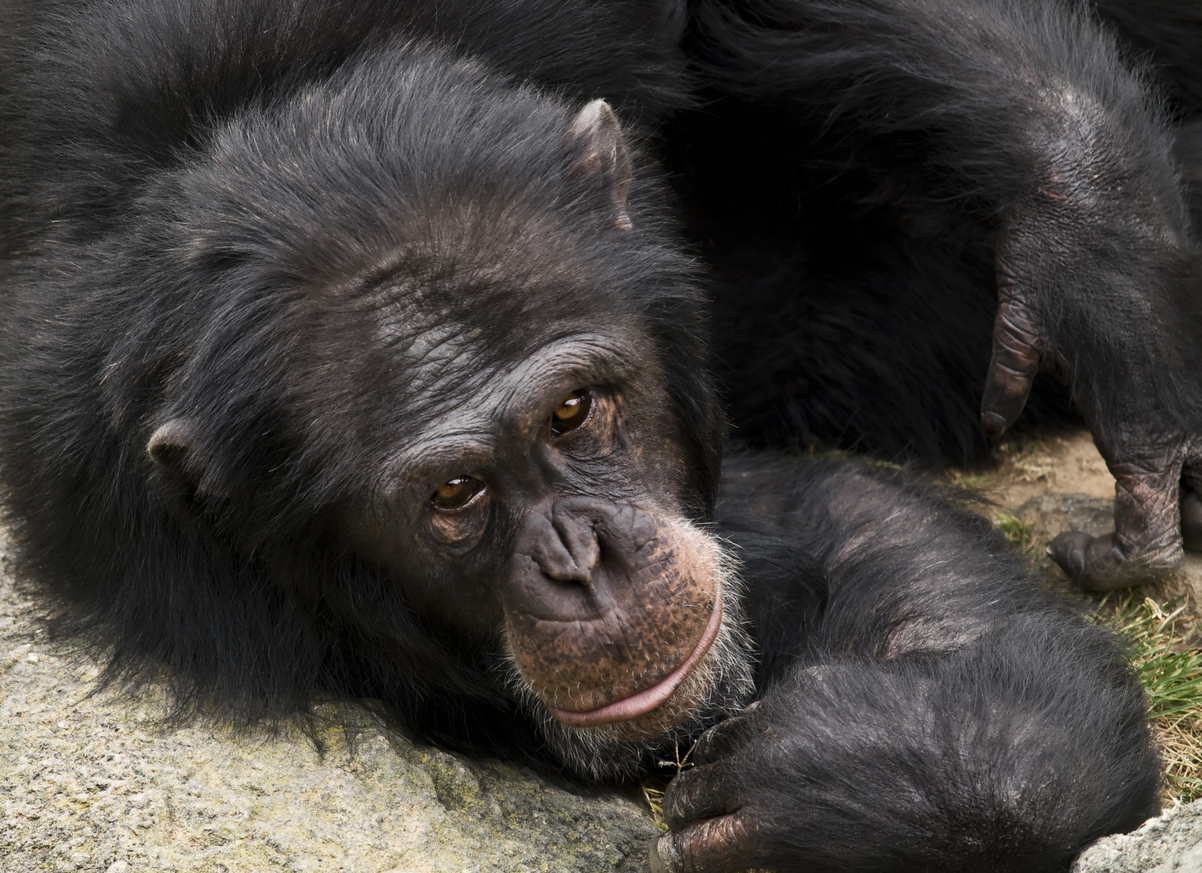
x,y
359,348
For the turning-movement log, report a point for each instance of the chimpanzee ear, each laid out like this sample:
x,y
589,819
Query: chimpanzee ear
x,y
174,447
599,153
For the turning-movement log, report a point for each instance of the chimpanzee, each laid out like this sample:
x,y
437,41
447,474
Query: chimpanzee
x,y
362,349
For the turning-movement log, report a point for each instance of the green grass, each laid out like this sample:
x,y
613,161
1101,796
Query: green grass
x,y
1016,531
1170,671
653,796
654,786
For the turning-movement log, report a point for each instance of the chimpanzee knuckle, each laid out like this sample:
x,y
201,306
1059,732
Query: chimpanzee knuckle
x,y
1003,400
1013,372
1068,551
1006,383
1012,367
724,844
1016,323
1016,346
1105,564
681,796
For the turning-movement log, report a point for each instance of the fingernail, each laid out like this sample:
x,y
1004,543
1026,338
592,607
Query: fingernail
x,y
993,424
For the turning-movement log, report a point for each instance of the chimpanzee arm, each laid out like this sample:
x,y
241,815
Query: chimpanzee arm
x,y
1024,118
932,709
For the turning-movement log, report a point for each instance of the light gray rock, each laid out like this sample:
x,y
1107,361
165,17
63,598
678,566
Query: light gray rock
x,y
87,783
1169,844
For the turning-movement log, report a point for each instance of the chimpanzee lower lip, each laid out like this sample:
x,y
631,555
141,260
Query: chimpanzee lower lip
x,y
649,698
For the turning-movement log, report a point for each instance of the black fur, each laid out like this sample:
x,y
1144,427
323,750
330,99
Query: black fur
x,y
198,200
868,751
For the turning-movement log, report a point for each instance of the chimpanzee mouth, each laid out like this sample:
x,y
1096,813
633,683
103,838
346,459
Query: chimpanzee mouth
x,y
649,698
628,736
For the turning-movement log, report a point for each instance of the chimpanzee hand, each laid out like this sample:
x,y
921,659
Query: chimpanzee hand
x,y
1092,285
716,827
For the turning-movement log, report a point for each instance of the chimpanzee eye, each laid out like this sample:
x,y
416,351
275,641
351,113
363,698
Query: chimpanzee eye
x,y
572,413
456,493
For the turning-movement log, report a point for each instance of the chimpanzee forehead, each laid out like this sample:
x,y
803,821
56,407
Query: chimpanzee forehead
x,y
486,285
420,348
497,342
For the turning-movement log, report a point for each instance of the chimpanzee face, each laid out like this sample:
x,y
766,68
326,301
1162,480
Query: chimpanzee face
x,y
519,457
541,508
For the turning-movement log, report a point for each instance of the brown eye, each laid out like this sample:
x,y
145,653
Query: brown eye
x,y
456,493
572,413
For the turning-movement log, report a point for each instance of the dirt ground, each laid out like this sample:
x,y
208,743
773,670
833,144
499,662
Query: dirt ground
x,y
1057,481
1029,466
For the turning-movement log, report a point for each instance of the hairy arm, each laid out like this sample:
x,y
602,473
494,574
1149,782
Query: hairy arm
x,y
925,705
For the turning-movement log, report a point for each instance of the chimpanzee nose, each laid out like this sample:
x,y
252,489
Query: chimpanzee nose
x,y
571,559
563,542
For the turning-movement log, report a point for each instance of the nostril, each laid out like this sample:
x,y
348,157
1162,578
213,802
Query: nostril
x,y
558,572
555,590
576,548
568,572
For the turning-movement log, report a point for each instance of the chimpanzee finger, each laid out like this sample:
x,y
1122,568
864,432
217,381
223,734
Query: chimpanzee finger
x,y
720,740
1013,367
1147,538
724,844
701,792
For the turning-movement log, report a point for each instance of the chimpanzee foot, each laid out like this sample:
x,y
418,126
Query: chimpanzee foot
x,y
1156,515
1148,442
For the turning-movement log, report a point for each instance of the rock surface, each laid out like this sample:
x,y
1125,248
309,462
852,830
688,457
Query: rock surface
x,y
88,783
1169,844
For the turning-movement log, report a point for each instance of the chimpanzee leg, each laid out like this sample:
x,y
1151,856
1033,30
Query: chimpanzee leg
x,y
1014,141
